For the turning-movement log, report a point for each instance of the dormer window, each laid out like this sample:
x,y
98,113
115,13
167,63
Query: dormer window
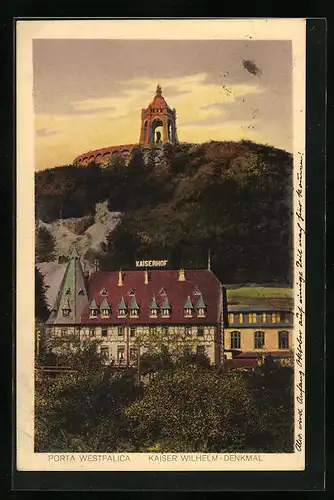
x,y
122,308
188,308
134,308
165,309
154,309
66,308
105,309
104,292
81,291
201,307
93,309
131,292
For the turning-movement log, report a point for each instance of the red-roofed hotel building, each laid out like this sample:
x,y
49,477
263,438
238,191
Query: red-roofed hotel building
x,y
131,310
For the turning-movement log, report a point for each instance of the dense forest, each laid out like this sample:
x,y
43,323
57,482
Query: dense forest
x,y
181,405
232,198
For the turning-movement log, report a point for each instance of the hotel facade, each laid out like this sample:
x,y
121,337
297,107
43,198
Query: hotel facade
x,y
135,311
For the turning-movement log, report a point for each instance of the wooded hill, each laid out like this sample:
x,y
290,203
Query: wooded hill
x,y
234,198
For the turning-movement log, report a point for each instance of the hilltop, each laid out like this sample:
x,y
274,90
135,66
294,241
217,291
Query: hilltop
x,y
177,202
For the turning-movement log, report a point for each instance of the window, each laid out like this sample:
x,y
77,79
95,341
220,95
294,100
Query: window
x,y
283,340
188,312
200,350
283,317
121,353
81,291
231,318
200,331
66,312
165,313
134,308
104,313
241,318
153,313
258,340
120,331
104,292
187,330
252,317
275,317
132,331
92,332
133,353
63,332
264,317
201,312
122,308
105,352
235,340
93,313
104,332
131,292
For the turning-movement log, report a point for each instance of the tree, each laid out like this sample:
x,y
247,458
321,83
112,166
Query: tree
x,y
41,307
272,388
194,409
83,411
45,245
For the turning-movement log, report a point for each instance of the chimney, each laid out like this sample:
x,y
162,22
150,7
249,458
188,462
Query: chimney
x,y
120,278
182,275
146,277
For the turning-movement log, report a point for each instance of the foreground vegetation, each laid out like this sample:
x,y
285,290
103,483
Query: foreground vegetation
x,y
234,198
187,406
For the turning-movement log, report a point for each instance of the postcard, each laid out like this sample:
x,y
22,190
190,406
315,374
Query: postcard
x,y
160,245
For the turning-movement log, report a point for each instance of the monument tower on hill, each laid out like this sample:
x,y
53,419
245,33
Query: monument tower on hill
x,y
158,114
158,126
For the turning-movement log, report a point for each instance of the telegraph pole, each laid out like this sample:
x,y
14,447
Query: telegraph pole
x,y
138,364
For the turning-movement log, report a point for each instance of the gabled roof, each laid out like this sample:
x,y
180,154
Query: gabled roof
x,y
134,304
165,304
93,305
154,304
188,303
105,305
122,304
73,280
201,303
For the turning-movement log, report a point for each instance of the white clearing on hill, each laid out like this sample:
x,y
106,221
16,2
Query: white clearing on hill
x,y
68,232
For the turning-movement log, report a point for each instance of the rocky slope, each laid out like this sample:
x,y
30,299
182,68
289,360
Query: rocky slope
x,y
88,234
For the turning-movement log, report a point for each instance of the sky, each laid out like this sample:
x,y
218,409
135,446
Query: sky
x,y
88,94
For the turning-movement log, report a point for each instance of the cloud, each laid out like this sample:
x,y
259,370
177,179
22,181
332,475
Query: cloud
x,y
91,110
43,132
205,111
